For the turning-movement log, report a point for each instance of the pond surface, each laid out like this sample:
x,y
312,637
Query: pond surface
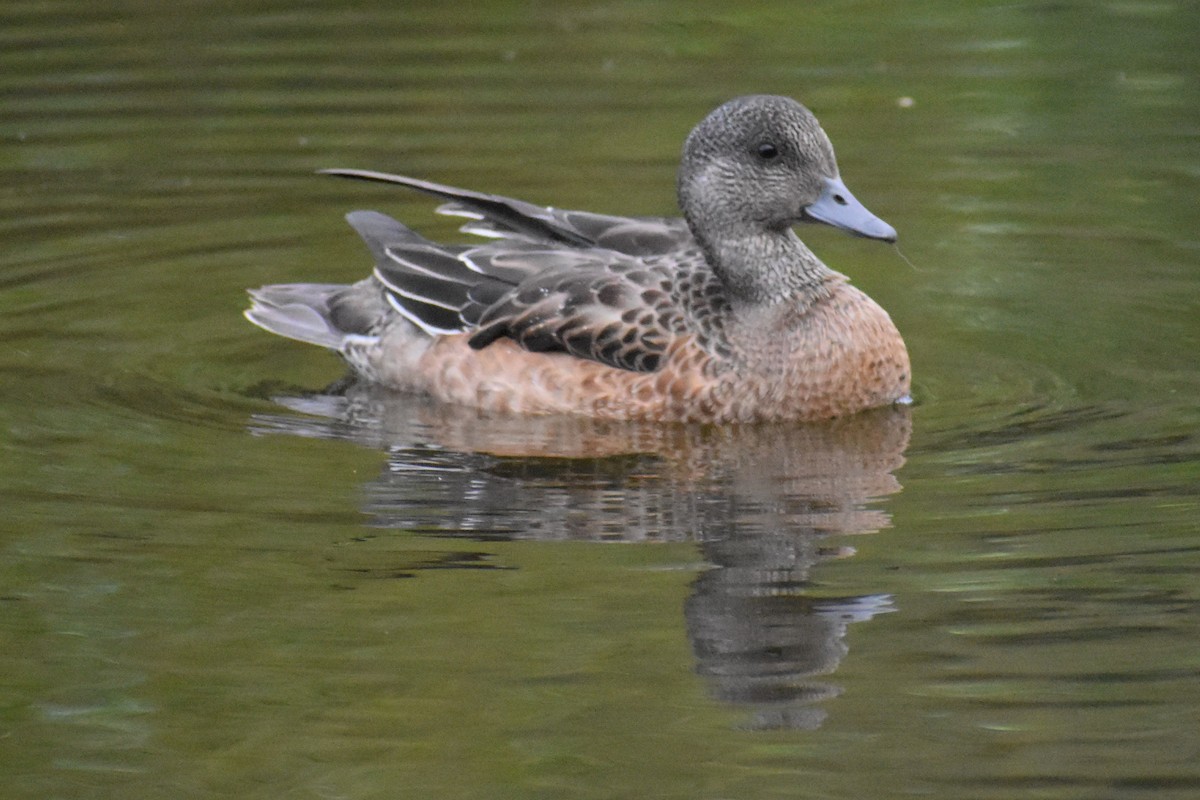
x,y
219,580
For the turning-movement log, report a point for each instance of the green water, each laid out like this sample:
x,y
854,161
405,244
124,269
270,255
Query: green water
x,y
216,583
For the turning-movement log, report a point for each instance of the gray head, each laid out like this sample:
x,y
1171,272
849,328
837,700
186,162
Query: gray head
x,y
762,163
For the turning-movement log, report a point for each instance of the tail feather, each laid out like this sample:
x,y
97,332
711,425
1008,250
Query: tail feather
x,y
298,311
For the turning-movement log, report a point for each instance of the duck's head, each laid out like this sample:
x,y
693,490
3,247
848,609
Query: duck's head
x,y
763,162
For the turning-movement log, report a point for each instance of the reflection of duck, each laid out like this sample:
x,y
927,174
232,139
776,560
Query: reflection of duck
x,y
722,316
675,482
759,501
763,651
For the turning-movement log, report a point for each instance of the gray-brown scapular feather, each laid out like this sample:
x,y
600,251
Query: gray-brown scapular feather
x,y
616,290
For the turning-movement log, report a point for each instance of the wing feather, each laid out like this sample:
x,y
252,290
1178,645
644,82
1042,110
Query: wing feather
x,y
597,314
589,285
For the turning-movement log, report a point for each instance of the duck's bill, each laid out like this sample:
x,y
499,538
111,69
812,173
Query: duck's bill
x,y
837,207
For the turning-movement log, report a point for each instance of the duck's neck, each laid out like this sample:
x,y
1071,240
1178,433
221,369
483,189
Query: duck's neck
x,y
766,268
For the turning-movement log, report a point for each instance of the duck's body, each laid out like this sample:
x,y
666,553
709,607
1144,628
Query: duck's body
x,y
727,317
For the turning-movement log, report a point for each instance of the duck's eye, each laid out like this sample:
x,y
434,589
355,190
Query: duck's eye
x,y
767,151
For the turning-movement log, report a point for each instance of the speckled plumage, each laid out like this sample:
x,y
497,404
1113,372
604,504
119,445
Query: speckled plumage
x,y
723,316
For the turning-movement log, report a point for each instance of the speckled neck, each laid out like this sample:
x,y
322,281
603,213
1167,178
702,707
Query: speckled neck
x,y
766,267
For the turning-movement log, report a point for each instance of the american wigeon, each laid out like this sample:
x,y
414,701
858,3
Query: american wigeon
x,y
722,316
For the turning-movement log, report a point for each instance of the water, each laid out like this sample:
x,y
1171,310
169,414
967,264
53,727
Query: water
x,y
217,581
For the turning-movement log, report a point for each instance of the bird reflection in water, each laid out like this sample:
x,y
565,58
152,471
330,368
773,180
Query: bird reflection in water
x,y
760,502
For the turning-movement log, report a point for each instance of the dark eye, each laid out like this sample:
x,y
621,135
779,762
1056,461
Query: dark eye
x,y
767,151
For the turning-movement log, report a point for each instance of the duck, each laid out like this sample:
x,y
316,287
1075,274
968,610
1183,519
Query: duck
x,y
720,316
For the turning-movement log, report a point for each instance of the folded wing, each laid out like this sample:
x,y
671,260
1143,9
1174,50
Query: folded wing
x,y
551,280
